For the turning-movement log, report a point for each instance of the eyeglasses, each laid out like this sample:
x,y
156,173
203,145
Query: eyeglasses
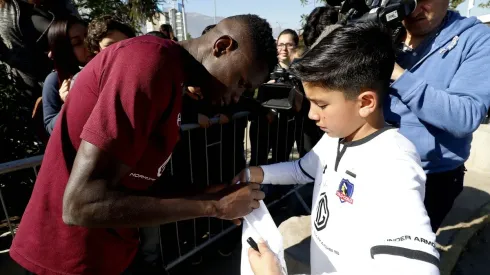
x,y
287,45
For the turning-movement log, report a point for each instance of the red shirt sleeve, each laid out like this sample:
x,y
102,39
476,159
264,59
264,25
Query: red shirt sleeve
x,y
134,89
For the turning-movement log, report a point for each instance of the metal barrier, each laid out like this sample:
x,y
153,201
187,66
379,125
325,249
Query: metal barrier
x,y
13,166
193,152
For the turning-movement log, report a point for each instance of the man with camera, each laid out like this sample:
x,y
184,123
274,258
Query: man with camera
x,y
440,94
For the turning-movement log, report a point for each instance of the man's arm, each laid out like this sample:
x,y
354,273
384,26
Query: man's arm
x,y
93,197
458,109
133,91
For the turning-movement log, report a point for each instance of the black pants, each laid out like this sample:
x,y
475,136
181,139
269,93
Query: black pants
x,y
441,189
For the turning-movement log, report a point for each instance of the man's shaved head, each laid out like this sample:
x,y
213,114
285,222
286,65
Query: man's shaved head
x,y
239,52
260,34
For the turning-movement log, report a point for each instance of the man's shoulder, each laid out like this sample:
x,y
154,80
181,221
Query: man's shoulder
x,y
467,28
138,45
136,56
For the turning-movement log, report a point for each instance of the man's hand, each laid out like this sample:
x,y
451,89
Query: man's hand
x,y
223,119
238,200
193,92
203,121
397,72
264,262
64,89
271,116
253,174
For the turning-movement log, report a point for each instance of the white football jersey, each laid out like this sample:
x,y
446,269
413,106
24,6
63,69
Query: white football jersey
x,y
368,214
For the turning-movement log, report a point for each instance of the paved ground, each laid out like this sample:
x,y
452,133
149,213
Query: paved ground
x,y
464,234
475,259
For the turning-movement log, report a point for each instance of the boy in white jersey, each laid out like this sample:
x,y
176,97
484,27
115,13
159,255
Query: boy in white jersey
x,y
368,215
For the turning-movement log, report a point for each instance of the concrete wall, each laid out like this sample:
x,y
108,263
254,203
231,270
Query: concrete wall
x,y
479,160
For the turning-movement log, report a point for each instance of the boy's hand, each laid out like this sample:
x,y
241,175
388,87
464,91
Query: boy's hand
x,y
264,262
203,121
253,174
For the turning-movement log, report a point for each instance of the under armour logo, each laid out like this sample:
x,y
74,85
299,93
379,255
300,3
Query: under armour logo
x,y
322,213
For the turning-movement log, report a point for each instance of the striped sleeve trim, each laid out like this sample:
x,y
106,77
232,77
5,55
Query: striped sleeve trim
x,y
404,252
304,172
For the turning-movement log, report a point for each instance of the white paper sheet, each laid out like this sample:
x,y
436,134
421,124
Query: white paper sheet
x,y
259,224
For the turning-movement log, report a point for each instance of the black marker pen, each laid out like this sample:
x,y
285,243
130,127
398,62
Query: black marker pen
x,y
253,244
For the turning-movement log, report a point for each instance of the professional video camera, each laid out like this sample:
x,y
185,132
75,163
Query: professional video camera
x,y
387,12
285,94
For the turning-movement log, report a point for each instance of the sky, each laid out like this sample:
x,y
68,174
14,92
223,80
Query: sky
x,y
279,13
476,11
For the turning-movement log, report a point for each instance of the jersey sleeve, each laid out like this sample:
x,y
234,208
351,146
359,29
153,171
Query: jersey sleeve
x,y
403,241
301,171
135,88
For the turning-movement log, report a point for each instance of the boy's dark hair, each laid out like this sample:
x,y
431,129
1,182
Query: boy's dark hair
x,y
261,38
316,22
158,34
349,59
166,28
101,26
292,33
208,28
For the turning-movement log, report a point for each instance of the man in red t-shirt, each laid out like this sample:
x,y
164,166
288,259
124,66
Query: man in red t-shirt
x,y
115,135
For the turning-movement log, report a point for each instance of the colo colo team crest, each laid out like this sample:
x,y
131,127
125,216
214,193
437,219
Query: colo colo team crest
x,y
345,192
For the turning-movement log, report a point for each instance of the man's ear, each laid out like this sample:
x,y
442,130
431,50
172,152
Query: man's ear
x,y
223,45
368,101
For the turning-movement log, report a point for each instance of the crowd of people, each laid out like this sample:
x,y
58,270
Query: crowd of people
x,y
375,116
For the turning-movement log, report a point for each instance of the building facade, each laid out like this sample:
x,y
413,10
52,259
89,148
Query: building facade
x,y
485,19
172,17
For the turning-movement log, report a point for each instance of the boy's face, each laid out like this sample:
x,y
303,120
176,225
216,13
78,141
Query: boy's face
x,y
332,112
112,37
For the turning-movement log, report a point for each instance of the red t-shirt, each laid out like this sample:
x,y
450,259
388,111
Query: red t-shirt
x,y
120,103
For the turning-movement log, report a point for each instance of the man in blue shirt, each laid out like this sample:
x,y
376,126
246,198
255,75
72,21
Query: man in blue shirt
x,y
440,94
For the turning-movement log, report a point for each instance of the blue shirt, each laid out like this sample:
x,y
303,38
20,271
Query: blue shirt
x,y
444,94
52,102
